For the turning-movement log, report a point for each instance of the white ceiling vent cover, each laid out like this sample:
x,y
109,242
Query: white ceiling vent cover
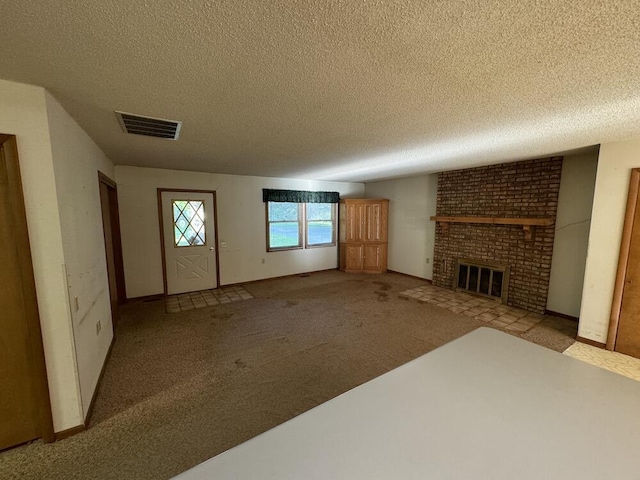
x,y
149,126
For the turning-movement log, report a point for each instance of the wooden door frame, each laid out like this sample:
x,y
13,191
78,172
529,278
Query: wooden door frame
x,y
9,144
161,222
116,241
623,258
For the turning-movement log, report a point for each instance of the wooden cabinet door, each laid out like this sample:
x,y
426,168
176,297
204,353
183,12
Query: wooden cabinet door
x,y
354,222
371,223
353,257
342,222
372,257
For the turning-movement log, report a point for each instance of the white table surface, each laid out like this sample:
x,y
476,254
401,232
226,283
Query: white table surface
x,y
485,406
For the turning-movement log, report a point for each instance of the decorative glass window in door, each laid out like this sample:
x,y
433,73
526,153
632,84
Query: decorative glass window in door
x,y
188,223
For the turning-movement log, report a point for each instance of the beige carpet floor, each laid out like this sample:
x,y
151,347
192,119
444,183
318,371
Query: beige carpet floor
x,y
182,387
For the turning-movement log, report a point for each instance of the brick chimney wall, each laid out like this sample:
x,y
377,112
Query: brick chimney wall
x,y
521,189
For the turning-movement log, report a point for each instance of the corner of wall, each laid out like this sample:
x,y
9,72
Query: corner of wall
x,y
615,161
411,233
76,162
573,222
23,112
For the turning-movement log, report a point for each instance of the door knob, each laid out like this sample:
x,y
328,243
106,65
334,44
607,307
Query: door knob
x,y
211,249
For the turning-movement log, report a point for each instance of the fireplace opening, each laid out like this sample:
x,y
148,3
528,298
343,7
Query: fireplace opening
x,y
482,278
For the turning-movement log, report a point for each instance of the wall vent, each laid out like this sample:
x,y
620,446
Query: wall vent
x,y
149,126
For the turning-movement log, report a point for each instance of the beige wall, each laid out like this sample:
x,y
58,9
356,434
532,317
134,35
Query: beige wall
x,y
23,112
76,161
241,225
411,233
615,162
573,221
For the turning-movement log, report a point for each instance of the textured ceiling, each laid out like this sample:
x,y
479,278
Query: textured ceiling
x,y
331,89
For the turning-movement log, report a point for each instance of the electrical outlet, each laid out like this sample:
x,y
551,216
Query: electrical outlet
x,y
98,327
264,261
223,244
428,260
76,303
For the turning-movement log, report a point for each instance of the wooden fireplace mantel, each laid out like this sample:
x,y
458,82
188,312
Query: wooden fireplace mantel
x,y
528,224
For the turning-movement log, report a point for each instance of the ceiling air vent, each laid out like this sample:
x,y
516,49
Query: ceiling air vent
x,y
149,126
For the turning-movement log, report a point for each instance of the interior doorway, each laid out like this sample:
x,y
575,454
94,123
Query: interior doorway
x,y
112,244
624,324
25,410
188,234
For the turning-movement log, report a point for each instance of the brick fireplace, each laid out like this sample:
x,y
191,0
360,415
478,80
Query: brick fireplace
x,y
525,190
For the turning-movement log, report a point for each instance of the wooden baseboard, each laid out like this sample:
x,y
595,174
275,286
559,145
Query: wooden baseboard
x,y
410,276
159,296
146,298
95,391
69,432
593,343
561,315
302,274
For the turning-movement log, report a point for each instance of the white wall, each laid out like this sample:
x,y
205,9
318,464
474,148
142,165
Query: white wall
x,y
615,162
23,112
411,233
76,161
241,224
573,220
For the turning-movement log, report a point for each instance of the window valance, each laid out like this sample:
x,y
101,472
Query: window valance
x,y
299,196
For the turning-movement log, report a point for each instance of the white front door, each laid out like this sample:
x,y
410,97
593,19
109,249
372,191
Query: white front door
x,y
189,241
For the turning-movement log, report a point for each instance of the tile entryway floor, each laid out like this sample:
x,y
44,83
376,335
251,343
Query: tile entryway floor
x,y
612,361
206,298
484,309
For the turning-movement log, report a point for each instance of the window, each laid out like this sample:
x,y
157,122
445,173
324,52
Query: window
x,y
300,225
188,223
320,224
284,220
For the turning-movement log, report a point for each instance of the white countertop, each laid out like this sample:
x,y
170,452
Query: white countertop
x,y
485,406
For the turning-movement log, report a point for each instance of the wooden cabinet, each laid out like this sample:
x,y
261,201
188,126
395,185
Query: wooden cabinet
x,y
363,235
